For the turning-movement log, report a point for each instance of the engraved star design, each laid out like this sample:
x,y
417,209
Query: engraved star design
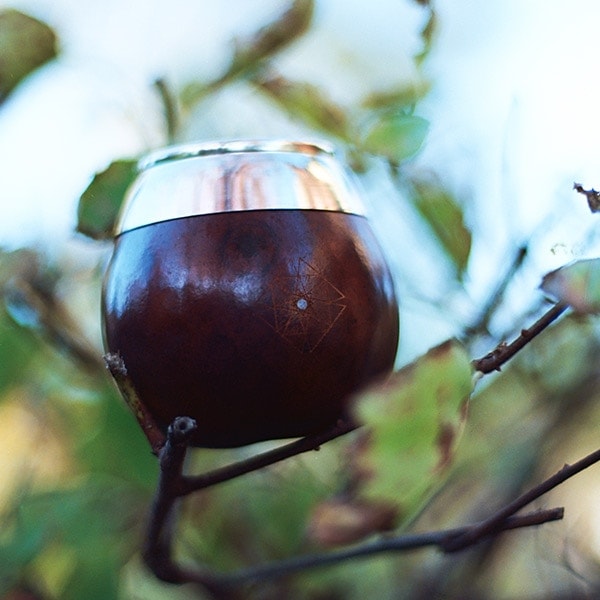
x,y
306,316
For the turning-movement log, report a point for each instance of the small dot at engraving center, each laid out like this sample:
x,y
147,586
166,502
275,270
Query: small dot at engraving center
x,y
302,304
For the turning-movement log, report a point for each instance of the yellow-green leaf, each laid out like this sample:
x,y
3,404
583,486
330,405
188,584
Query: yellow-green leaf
x,y
413,422
25,45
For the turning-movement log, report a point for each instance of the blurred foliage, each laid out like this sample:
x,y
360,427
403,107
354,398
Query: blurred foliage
x,y
397,136
25,45
77,475
306,102
417,415
412,424
444,215
577,284
78,469
100,203
250,55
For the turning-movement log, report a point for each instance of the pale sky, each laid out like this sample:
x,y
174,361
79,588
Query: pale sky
x,y
513,111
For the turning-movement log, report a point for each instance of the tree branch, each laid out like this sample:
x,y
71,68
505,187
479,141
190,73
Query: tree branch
x,y
157,551
306,444
488,363
118,370
28,292
482,322
491,525
403,543
173,484
504,352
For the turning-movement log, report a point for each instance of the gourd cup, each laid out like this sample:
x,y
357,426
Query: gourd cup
x,y
247,290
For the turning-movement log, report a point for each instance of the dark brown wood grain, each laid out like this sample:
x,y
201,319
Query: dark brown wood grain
x,y
257,324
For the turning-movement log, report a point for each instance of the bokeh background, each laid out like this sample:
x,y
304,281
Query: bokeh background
x,y
487,113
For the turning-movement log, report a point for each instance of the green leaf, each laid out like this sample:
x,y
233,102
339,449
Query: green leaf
x,y
577,284
413,422
96,576
94,522
18,345
396,136
445,217
17,348
81,514
17,553
119,448
100,203
25,45
306,102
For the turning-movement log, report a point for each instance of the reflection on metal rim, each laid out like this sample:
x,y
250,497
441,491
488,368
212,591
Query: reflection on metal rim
x,y
214,177
192,150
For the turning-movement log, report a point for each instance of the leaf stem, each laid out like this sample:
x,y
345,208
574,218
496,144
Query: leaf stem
x,y
170,109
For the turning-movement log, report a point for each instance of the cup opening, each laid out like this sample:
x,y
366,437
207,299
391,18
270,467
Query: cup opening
x,y
210,148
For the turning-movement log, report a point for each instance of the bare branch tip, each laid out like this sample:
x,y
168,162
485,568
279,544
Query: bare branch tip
x,y
181,429
115,364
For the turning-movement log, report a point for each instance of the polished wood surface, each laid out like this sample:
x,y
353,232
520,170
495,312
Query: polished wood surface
x,y
258,324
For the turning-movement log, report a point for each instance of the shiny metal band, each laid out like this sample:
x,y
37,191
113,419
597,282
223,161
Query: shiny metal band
x,y
208,178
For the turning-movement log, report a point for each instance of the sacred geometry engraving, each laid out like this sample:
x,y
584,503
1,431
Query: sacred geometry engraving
x,y
309,313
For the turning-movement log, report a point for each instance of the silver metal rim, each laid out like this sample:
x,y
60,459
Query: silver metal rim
x,y
196,149
208,178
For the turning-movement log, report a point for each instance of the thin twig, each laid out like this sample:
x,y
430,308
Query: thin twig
x,y
306,444
491,525
403,543
504,352
482,322
118,370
